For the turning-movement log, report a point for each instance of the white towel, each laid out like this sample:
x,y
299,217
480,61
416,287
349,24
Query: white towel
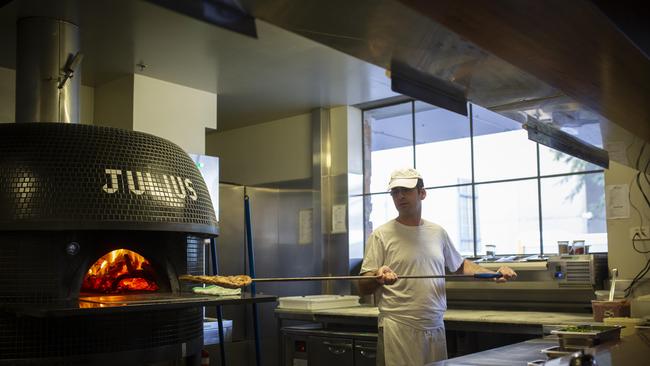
x,y
216,290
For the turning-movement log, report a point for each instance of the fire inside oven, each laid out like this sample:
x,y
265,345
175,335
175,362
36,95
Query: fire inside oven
x,y
120,271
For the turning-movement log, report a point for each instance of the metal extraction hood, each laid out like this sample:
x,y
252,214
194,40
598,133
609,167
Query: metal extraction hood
x,y
563,63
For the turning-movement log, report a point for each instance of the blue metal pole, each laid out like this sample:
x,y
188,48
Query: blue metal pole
x,y
215,271
251,266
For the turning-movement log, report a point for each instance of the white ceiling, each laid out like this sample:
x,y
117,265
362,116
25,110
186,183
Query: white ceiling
x,y
277,75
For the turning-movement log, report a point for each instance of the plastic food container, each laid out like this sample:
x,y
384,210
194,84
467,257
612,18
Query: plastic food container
x,y
316,302
490,250
563,247
610,309
578,247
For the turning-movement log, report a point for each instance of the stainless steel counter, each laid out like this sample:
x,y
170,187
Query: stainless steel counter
x,y
633,350
517,354
525,322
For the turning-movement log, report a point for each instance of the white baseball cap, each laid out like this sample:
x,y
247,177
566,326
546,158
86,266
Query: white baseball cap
x,y
407,178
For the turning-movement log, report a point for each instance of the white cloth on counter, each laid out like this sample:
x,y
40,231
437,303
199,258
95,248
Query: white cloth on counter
x,y
216,290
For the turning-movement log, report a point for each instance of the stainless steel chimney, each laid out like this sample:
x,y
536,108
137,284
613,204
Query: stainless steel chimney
x,y
47,71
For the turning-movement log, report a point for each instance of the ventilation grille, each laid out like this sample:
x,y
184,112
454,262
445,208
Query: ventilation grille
x,y
578,272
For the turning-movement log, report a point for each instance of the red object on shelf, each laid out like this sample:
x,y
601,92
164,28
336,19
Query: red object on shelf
x,y
205,358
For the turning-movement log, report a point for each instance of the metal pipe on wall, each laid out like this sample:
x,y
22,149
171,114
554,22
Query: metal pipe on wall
x,y
47,71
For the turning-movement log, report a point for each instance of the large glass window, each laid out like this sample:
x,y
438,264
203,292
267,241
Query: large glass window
x,y
388,143
573,208
451,208
486,182
442,148
509,216
501,148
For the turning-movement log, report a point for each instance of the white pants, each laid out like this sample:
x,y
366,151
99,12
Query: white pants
x,y
400,344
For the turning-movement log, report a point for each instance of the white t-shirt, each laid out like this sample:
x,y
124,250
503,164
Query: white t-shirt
x,y
412,250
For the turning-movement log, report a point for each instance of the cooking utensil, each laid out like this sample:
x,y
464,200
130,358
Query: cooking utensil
x,y
241,281
336,278
612,288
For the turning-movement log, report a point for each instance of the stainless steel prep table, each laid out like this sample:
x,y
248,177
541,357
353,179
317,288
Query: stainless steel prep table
x,y
523,324
517,354
629,351
518,322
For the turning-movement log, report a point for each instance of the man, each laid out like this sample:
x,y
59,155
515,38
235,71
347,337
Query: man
x,y
411,329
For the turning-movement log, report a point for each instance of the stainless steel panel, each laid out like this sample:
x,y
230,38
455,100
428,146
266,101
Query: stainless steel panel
x,y
44,46
231,249
329,189
365,353
330,351
562,283
274,216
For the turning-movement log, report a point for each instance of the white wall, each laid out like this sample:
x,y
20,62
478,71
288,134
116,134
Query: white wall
x,y
274,151
114,103
339,125
621,254
278,150
174,112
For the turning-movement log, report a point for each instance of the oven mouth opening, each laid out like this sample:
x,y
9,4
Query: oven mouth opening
x,y
121,271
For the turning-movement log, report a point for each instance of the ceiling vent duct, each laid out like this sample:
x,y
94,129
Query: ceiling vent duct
x,y
553,137
427,88
47,62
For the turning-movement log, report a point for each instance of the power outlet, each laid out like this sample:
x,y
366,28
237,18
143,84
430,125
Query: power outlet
x,y
640,233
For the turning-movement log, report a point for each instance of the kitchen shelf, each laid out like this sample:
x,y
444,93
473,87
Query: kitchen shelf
x,y
96,305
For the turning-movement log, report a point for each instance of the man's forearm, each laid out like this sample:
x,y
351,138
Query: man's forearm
x,y
369,286
470,268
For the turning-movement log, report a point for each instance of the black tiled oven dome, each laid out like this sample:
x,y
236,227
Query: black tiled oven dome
x,y
56,176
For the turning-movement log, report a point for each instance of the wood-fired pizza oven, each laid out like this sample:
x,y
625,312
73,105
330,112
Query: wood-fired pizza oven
x,y
96,225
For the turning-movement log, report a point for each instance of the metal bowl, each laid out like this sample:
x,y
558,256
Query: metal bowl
x,y
557,351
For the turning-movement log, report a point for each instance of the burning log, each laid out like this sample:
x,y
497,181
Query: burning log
x,y
120,271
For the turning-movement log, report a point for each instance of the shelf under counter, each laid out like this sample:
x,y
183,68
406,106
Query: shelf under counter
x,y
119,304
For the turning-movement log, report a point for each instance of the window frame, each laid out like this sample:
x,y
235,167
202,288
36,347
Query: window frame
x,y
473,184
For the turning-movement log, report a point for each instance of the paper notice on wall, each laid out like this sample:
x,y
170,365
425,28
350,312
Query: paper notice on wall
x,y
618,201
339,219
305,226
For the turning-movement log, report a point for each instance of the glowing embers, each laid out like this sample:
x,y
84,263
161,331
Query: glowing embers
x,y
120,271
